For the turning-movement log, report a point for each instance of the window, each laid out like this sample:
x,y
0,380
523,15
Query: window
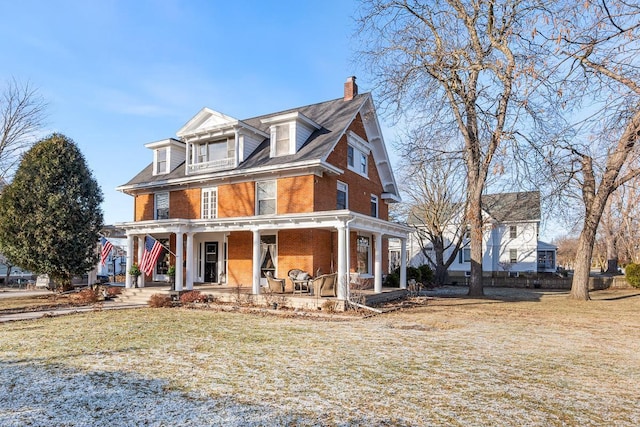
x,y
209,203
161,161
266,197
374,206
513,231
162,205
209,151
342,197
363,165
464,255
358,151
513,256
162,265
282,140
363,248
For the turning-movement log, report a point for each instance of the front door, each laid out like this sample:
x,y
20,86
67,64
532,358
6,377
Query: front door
x,y
211,262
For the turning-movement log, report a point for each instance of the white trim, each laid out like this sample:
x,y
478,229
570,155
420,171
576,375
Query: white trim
x,y
346,192
292,117
358,143
275,197
318,167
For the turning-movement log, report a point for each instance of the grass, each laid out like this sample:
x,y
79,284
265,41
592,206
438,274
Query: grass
x,y
513,358
31,303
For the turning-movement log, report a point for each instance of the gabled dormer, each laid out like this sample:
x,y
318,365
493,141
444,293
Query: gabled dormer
x,y
289,132
167,155
215,142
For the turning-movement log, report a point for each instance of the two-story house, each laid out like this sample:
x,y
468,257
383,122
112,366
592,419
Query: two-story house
x,y
510,244
304,188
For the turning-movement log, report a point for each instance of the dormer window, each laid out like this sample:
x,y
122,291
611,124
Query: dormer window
x,y
161,161
289,132
167,155
358,154
282,136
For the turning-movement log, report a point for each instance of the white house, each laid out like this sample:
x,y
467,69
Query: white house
x,y
510,239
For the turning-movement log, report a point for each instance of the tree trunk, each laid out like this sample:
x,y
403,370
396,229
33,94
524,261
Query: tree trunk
x,y
475,220
580,282
8,276
440,275
612,254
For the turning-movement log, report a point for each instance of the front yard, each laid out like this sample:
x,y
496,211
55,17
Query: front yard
x,y
533,359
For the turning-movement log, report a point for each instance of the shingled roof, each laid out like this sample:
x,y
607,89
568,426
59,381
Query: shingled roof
x,y
513,207
333,116
502,207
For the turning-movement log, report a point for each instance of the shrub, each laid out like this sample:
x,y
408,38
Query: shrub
x,y
113,291
160,300
422,274
85,296
426,274
192,296
632,271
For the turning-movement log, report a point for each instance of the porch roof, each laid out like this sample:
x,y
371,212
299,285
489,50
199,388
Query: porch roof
x,y
325,219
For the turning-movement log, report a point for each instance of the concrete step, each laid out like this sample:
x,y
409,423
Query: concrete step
x,y
140,295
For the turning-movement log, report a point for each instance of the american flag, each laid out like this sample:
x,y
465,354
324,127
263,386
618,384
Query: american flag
x,y
107,247
152,251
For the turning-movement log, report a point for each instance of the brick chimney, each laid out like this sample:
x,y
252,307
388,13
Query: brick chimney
x,y
350,88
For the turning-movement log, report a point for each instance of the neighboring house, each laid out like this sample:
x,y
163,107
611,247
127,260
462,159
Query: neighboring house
x,y
510,242
305,188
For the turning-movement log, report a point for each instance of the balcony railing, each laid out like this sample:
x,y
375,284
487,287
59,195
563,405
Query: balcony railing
x,y
212,166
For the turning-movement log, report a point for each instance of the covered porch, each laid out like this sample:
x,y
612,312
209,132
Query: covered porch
x,y
237,252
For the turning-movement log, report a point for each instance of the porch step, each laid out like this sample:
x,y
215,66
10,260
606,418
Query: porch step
x,y
140,295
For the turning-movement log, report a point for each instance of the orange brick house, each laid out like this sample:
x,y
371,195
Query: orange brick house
x,y
304,188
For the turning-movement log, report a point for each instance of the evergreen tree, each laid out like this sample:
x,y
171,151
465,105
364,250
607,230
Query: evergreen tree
x,y
50,214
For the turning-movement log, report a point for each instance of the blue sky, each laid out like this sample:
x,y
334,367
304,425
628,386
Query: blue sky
x,y
119,74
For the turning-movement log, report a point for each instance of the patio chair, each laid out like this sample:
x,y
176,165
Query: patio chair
x,y
325,285
276,286
300,280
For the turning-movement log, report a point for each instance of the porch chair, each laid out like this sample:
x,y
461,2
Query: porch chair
x,y
325,285
300,280
275,285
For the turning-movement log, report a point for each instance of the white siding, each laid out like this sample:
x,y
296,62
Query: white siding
x,y
248,145
303,133
176,157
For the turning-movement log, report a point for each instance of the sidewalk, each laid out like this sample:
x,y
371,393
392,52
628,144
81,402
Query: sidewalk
x,y
105,305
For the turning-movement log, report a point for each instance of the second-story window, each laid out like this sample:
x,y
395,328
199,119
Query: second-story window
x,y
266,197
513,256
513,231
374,206
162,205
342,196
209,203
363,165
350,153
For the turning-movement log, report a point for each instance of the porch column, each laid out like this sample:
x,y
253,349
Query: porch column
x,y
403,263
142,277
189,261
179,259
256,262
377,267
127,281
343,282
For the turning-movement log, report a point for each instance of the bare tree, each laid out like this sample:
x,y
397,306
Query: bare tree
x,y
434,186
22,116
451,66
597,43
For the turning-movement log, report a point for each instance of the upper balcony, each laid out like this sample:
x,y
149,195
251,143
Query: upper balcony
x,y
212,165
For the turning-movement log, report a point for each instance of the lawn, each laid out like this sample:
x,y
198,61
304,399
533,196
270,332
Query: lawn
x,y
522,358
